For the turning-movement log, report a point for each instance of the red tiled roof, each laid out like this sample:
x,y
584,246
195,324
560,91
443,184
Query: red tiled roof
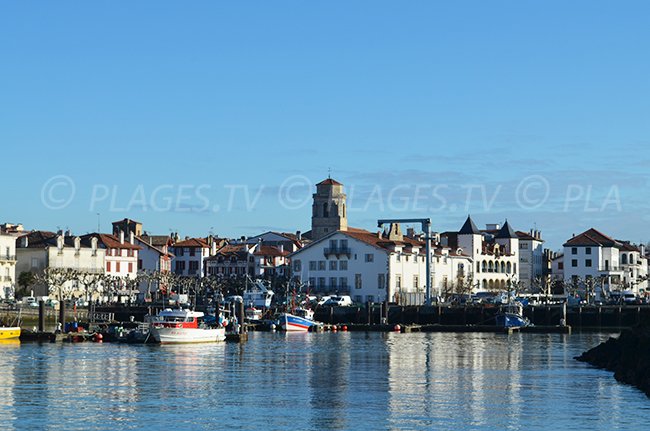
x,y
192,242
267,250
110,241
329,182
591,237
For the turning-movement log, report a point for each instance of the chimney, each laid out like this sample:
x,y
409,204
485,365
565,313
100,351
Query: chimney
x,y
395,232
25,241
131,237
68,232
299,235
410,232
379,234
281,248
121,236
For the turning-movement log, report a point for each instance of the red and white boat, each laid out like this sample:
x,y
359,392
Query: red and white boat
x,y
184,326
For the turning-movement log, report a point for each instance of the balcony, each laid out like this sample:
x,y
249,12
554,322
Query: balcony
x,y
330,289
7,258
337,251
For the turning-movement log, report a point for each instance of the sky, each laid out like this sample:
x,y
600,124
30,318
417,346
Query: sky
x,y
220,117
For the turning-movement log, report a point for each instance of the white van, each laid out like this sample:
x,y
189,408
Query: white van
x,y
339,301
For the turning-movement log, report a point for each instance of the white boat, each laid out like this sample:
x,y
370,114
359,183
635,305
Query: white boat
x,y
299,321
184,326
258,295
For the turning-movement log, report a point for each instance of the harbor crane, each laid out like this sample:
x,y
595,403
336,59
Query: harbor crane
x,y
426,228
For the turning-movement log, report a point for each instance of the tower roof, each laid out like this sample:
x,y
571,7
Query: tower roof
x,y
506,232
469,228
329,182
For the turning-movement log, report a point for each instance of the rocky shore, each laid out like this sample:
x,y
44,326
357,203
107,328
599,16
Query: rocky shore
x,y
628,356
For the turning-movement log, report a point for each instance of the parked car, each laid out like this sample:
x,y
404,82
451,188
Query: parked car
x,y
323,300
339,301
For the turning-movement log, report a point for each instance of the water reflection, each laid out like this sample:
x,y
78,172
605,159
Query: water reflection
x,y
317,381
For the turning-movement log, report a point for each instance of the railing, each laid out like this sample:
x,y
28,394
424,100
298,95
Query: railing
x,y
341,290
7,278
8,257
337,251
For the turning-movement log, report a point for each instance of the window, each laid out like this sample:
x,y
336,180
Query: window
x,y
343,265
357,281
344,243
192,251
398,257
358,299
297,265
343,282
179,251
588,250
312,265
333,244
139,263
416,282
321,265
398,281
370,257
588,263
130,267
370,298
333,283
574,250
523,246
321,282
333,265
574,263
381,281
312,282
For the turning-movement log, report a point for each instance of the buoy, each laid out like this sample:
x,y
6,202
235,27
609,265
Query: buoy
x,y
397,328
272,326
334,328
99,337
344,328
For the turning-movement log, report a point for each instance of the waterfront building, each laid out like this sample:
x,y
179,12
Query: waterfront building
x,y
40,250
531,261
494,253
153,257
190,254
255,260
7,264
288,241
600,263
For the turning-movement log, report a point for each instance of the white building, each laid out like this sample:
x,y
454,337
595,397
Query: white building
x,y
39,250
494,253
287,241
153,257
255,260
374,266
597,260
7,265
531,259
190,254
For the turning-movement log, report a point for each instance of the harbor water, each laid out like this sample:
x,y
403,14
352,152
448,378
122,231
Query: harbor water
x,y
325,381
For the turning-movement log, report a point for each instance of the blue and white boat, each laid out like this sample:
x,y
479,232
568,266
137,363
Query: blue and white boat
x,y
511,315
300,321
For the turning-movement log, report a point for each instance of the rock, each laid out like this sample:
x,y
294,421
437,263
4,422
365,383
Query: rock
x,y
628,356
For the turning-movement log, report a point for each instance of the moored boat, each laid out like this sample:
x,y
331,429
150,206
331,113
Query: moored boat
x,y
9,332
299,321
184,326
511,315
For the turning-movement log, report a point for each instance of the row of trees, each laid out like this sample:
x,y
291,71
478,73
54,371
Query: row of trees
x,y
68,283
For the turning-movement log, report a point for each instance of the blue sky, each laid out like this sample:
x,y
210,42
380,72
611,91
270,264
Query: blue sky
x,y
214,116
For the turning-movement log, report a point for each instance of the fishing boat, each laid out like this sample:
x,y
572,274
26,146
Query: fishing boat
x,y
9,332
511,315
299,321
173,326
257,295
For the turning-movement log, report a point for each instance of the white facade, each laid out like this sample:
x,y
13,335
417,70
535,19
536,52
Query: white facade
x,y
374,266
7,265
41,250
531,259
594,259
189,256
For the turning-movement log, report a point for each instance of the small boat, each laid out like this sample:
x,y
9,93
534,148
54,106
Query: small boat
x,y
298,321
9,332
511,315
253,314
184,326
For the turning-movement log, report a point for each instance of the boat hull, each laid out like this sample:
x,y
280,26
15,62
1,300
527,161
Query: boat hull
x,y
509,320
291,323
187,335
9,333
